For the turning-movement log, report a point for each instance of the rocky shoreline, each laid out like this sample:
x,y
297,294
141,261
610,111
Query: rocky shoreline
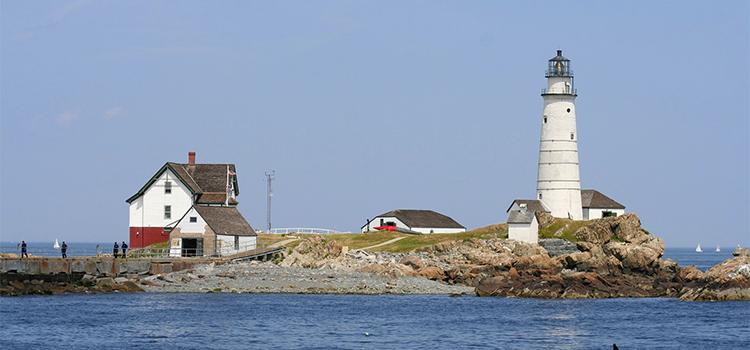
x,y
612,258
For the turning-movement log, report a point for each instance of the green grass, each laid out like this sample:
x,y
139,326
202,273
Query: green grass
x,y
159,245
361,240
410,242
570,227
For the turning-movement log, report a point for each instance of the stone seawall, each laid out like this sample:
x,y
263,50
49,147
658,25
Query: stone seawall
x,y
73,269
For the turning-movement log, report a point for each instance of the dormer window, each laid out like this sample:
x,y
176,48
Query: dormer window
x,y
168,187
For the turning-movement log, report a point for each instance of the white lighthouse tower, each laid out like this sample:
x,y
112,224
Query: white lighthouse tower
x,y
558,181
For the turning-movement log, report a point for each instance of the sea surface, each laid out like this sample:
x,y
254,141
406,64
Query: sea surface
x,y
293,321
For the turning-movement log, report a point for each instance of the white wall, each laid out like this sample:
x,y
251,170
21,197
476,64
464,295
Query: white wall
x,y
597,213
148,210
226,247
558,178
199,226
376,223
426,230
524,232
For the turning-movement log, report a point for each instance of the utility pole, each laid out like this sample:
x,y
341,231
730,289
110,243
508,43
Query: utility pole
x,y
269,194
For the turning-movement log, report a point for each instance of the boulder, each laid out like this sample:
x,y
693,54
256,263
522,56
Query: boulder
x,y
524,249
690,273
431,272
741,251
634,257
414,261
103,281
132,287
537,262
729,269
627,228
594,233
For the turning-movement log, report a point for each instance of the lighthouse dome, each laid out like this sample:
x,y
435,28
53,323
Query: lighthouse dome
x,y
559,66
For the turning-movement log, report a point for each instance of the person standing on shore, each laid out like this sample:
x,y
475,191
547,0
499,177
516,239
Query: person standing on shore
x,y
124,249
64,249
23,249
115,250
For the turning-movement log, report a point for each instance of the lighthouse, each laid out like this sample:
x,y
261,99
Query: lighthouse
x,y
558,184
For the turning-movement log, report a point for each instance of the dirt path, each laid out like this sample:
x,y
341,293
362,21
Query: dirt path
x,y
281,243
384,243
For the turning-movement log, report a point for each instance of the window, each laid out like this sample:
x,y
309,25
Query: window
x,y
572,136
167,187
167,211
193,219
545,119
236,242
540,195
568,110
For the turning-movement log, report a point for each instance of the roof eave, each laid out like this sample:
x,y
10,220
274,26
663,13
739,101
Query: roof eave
x,y
155,178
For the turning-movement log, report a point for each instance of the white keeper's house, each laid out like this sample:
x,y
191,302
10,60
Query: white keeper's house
x,y
558,185
421,221
194,208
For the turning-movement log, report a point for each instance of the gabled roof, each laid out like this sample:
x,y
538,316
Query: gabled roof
x,y
595,199
225,220
200,179
532,205
521,217
423,218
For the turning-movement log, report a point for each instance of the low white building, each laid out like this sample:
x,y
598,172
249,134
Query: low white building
x,y
211,231
596,205
421,221
523,223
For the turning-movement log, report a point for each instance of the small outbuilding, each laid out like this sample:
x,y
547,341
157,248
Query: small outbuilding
x,y
421,221
523,222
596,205
211,231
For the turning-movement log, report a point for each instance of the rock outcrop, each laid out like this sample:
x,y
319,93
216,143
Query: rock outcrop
x,y
615,257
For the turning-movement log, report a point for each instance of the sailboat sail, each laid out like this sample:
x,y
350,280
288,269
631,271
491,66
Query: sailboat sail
x,y
57,245
718,249
698,249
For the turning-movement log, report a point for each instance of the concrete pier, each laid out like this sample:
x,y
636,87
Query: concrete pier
x,y
72,269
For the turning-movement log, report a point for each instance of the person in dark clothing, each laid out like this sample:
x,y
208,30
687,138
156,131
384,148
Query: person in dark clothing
x,y
115,250
64,249
23,250
124,249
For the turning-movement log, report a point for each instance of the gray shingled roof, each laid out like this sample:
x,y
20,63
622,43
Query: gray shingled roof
x,y
423,218
203,179
595,199
521,217
225,220
531,205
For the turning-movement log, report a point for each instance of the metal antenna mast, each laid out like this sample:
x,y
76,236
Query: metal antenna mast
x,y
269,178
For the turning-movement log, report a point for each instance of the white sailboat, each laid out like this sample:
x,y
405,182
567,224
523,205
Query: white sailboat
x,y
699,250
718,249
57,245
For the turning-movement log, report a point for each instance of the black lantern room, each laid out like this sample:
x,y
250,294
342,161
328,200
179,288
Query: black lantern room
x,y
559,66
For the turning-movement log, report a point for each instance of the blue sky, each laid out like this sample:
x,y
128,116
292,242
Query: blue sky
x,y
362,107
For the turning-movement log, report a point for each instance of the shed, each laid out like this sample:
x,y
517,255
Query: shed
x,y
422,221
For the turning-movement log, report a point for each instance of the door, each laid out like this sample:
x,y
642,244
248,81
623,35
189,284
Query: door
x,y
192,247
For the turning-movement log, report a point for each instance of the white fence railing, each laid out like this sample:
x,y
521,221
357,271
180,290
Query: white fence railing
x,y
322,231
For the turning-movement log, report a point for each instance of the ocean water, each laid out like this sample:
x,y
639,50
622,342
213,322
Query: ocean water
x,y
703,261
293,321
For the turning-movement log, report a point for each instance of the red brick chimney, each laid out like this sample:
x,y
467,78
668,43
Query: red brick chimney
x,y
191,158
